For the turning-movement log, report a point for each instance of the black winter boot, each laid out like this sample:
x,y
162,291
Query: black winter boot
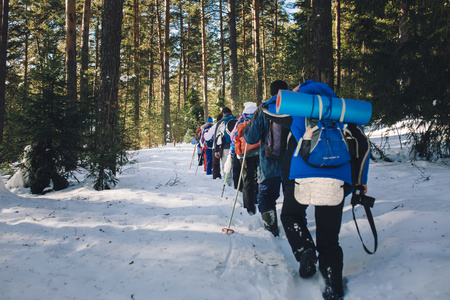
x,y
333,285
270,221
308,261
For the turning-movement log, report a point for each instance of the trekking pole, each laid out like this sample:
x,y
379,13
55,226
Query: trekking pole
x,y
228,230
198,164
224,182
226,166
195,147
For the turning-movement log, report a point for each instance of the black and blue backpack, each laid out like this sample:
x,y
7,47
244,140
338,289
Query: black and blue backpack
x,y
325,143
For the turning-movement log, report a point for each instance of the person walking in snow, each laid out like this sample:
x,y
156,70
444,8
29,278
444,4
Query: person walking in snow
x,y
207,146
222,138
269,176
251,153
327,188
209,136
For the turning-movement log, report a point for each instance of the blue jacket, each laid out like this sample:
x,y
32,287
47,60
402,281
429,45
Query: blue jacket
x,y
298,168
257,130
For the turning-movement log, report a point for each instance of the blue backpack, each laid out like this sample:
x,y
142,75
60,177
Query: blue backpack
x,y
325,143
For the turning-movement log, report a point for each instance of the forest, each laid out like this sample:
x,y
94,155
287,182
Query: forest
x,y
83,82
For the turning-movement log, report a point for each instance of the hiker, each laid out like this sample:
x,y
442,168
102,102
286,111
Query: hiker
x,y
222,139
209,136
251,161
269,178
198,136
207,146
327,187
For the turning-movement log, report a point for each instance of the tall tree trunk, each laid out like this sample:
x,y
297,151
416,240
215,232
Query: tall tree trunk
x,y
137,89
403,38
257,69
85,51
338,45
71,81
167,123
232,45
243,76
71,54
222,51
161,55
26,61
403,24
181,63
322,42
151,56
204,62
95,86
264,62
187,58
109,75
4,14
275,35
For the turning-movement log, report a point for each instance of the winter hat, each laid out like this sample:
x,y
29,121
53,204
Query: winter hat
x,y
249,107
209,120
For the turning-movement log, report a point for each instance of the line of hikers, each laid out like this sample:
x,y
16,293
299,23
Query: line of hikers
x,y
277,150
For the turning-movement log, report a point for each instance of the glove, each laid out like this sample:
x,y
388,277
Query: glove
x,y
227,165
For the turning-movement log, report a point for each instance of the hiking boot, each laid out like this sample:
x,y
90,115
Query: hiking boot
x,y
330,295
308,261
270,221
333,285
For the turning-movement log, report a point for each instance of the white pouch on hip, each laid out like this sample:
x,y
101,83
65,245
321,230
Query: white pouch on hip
x,y
319,191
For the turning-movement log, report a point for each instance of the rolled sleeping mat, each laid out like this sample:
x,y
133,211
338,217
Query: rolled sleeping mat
x,y
323,107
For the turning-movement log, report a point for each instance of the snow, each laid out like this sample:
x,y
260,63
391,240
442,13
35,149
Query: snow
x,y
158,235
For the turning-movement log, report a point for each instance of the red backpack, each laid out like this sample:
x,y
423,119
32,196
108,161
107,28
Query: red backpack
x,y
239,142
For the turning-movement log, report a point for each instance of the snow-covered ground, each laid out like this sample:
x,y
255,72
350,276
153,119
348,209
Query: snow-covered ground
x,y
158,235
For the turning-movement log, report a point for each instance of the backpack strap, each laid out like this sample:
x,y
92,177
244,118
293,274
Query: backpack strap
x,y
367,202
341,119
320,107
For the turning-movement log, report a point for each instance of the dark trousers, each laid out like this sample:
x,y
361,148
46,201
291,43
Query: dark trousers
x,y
268,193
236,169
216,167
328,226
250,187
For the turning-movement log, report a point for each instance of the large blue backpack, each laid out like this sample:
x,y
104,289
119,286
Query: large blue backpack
x,y
325,143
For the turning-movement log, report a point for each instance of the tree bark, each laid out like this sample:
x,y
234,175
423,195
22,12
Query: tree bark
x,y
137,89
85,51
109,75
151,65
71,54
257,69
222,51
167,123
275,34
322,42
232,44
338,44
4,11
161,54
405,80
204,62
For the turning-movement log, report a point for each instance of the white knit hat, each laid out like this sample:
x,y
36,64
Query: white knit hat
x,y
249,107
